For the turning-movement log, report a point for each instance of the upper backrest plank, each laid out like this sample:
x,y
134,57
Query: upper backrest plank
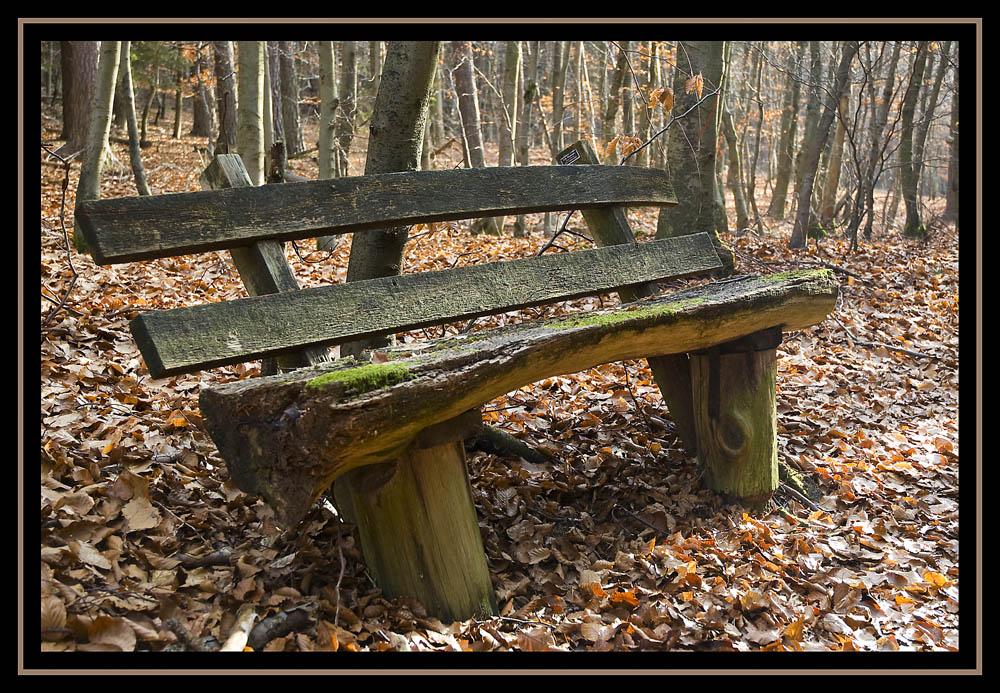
x,y
140,228
192,338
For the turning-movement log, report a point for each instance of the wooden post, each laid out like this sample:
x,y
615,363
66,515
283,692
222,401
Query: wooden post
x,y
672,373
418,525
735,415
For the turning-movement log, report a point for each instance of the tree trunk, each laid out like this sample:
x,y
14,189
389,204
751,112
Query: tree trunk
x,y
927,117
735,171
691,151
908,175
97,133
826,210
468,107
348,105
397,126
813,112
327,111
79,72
813,149
182,68
522,140
225,96
128,98
328,92
153,90
374,69
608,125
201,104
510,104
509,109
875,162
468,103
951,197
560,58
250,109
294,143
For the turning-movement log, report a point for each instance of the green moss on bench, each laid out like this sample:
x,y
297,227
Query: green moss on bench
x,y
797,274
371,376
621,316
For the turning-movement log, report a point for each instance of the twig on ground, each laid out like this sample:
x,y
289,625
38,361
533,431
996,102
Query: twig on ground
x,y
875,345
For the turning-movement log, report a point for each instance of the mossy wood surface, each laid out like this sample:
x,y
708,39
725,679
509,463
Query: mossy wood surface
x,y
287,441
192,338
140,228
420,534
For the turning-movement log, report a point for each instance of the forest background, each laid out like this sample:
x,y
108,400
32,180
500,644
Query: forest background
x,y
146,545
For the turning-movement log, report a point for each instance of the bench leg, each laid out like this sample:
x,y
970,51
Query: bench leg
x,y
420,533
733,388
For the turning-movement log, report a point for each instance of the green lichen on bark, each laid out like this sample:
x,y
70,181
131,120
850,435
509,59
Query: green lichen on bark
x,y
371,376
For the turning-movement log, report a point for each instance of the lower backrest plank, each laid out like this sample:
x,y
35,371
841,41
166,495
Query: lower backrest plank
x,y
196,337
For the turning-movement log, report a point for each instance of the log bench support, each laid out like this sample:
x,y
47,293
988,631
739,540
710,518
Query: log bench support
x,y
733,391
418,524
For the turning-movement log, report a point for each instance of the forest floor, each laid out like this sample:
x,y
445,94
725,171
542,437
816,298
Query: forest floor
x,y
612,546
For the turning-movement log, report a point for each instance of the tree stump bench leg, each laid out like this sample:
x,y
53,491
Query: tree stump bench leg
x,y
419,529
733,388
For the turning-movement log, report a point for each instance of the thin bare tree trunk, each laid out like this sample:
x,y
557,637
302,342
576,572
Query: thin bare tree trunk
x,y
128,98
468,107
250,111
810,161
908,174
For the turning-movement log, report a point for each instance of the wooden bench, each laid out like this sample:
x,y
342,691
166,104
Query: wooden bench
x,y
389,431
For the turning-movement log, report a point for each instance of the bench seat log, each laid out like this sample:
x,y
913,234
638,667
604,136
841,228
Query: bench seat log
x,y
191,338
141,228
287,437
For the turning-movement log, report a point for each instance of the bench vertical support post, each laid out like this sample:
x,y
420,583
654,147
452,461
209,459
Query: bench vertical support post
x,y
420,533
672,373
735,414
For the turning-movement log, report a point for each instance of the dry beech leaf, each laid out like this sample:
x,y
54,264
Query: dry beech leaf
x,y
694,83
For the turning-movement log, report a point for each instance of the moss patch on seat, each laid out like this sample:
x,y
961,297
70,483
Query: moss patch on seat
x,y
371,376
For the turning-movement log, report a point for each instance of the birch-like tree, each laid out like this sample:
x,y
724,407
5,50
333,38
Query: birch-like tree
x,y
250,109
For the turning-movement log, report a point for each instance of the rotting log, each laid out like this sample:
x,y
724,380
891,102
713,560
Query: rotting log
x,y
288,436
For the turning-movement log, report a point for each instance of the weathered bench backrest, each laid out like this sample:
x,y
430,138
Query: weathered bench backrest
x,y
256,219
140,228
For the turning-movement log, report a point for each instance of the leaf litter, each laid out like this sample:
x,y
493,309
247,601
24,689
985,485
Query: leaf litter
x,y
610,545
